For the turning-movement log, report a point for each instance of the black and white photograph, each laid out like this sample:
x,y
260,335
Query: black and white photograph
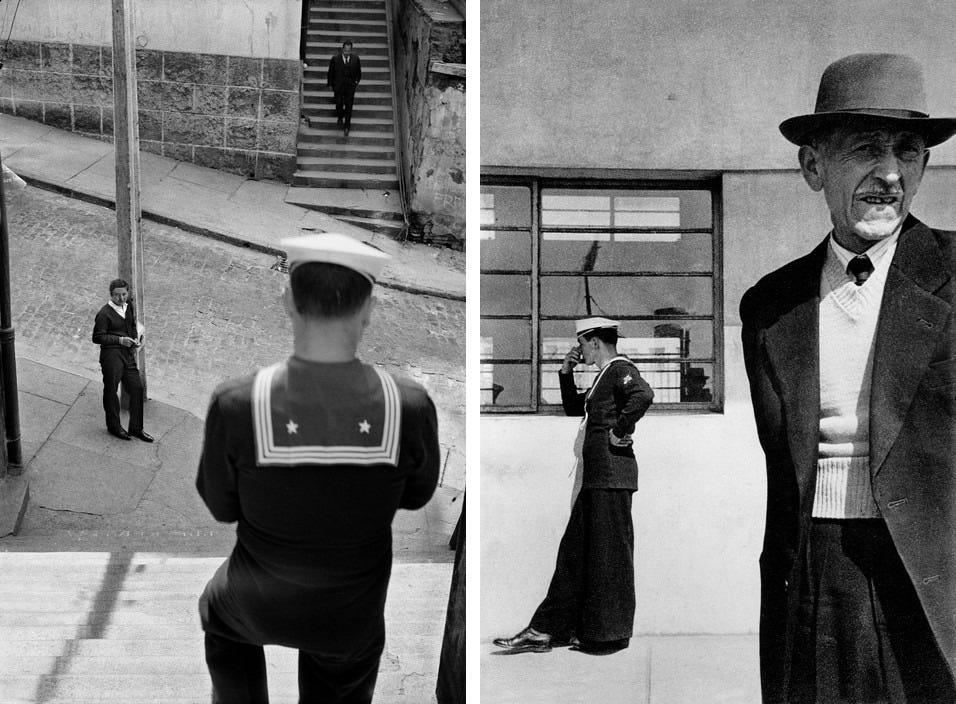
x,y
232,351
717,349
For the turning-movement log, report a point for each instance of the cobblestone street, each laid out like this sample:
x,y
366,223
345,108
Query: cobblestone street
x,y
212,311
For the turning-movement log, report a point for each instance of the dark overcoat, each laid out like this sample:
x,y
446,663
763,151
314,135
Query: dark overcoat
x,y
912,430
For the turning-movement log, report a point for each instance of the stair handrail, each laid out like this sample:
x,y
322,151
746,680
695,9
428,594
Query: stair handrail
x,y
396,122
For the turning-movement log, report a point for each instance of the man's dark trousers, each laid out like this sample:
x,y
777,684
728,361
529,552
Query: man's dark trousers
x,y
344,98
238,672
119,367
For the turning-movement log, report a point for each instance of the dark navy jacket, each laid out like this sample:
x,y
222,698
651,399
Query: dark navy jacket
x,y
617,401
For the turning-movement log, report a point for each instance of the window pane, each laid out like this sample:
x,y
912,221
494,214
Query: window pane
x,y
614,296
505,206
505,250
670,251
505,294
641,338
505,385
673,382
505,339
566,207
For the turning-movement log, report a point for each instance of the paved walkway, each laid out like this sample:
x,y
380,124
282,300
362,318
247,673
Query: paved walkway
x,y
210,202
213,313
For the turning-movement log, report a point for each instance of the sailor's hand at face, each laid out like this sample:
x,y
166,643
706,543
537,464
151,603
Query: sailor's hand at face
x,y
571,359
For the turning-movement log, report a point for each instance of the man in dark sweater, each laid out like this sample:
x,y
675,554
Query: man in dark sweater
x,y
115,331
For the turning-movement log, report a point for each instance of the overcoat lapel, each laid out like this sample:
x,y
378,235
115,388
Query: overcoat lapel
x,y
792,346
911,320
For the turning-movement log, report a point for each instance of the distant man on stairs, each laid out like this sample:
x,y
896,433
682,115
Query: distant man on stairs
x,y
345,72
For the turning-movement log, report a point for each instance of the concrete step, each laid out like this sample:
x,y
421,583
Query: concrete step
x,y
325,12
331,179
332,134
325,48
391,228
108,627
357,166
316,98
320,119
378,87
370,203
367,4
377,61
369,111
346,151
376,73
351,27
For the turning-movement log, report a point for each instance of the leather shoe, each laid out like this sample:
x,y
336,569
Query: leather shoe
x,y
599,647
142,435
527,641
121,434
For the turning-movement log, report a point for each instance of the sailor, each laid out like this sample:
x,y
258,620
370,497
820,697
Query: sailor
x,y
312,457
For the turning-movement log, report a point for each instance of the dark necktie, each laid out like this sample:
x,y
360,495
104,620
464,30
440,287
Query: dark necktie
x,y
860,268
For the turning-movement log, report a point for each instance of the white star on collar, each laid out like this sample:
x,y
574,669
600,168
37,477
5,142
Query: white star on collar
x,y
365,427
627,378
292,427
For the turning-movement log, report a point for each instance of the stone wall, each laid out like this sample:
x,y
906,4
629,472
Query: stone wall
x,y
432,118
235,113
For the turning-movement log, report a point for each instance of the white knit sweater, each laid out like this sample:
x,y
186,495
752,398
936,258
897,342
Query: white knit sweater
x,y
848,319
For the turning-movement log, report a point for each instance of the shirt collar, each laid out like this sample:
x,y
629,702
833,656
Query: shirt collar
x,y
875,253
121,311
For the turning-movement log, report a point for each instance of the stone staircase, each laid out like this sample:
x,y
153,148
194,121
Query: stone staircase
x,y
85,627
353,179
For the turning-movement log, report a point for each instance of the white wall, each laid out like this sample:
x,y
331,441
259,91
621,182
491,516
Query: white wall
x,y
260,28
682,84
699,512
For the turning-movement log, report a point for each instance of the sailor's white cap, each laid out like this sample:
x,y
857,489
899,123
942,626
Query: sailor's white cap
x,y
333,248
589,324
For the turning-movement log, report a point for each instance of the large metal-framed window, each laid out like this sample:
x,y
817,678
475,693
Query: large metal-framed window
x,y
645,252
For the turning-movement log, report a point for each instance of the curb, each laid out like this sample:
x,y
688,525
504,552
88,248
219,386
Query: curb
x,y
220,236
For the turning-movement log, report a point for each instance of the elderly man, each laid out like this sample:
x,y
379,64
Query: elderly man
x,y
312,456
850,355
590,603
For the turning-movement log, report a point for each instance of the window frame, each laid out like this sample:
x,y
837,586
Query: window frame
x,y
537,182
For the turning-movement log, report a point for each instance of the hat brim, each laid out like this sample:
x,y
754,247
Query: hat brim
x,y
934,130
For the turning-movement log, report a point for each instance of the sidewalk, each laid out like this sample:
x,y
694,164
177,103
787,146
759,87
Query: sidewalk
x,y
101,493
209,202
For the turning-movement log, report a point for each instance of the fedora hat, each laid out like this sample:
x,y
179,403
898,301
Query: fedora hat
x,y
886,87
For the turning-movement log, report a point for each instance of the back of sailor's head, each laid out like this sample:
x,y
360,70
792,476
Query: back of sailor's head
x,y
331,275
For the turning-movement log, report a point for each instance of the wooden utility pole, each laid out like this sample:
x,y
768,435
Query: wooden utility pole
x,y
126,148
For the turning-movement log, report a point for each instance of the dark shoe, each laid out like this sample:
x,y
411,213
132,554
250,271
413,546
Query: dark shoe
x,y
142,435
600,647
339,122
120,433
528,641
346,131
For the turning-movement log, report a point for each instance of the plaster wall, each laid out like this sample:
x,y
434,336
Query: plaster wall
x,y
682,84
699,513
432,119
264,28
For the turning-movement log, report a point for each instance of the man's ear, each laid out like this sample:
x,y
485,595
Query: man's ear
x,y
811,166
367,312
288,303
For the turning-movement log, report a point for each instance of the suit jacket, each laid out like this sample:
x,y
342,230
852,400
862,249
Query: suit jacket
x,y
616,402
912,429
342,76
